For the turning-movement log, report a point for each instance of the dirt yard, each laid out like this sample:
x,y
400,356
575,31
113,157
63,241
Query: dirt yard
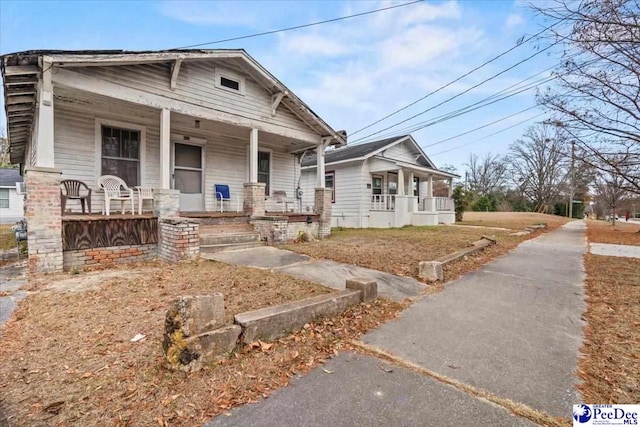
x,y
399,250
7,238
623,233
67,358
610,365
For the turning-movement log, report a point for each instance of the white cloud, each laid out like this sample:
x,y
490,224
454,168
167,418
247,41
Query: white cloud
x,y
212,13
514,20
313,44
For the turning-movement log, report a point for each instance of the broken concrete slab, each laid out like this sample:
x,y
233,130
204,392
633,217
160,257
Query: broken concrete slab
x,y
273,322
260,257
192,353
520,233
193,315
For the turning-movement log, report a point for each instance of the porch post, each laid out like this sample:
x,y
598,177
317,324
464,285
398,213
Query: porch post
x,y
410,184
253,156
44,133
413,200
165,149
253,201
401,189
450,182
320,166
429,202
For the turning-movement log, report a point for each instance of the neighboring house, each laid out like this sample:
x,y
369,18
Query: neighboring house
x,y
385,183
11,203
175,121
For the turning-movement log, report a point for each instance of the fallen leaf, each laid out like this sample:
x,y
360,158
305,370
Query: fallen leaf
x,y
326,371
384,368
453,366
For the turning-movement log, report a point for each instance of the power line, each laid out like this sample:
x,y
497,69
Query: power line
x,y
479,127
297,27
457,79
487,136
459,94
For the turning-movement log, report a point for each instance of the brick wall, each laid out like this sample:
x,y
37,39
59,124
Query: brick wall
x,y
109,255
294,228
44,219
179,239
323,209
273,229
253,202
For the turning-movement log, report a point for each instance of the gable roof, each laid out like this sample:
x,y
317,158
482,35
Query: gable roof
x,y
9,177
21,72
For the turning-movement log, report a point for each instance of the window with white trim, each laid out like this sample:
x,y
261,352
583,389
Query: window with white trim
x,y
4,198
121,154
330,182
264,170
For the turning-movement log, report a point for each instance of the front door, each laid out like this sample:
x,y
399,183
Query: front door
x,y
188,176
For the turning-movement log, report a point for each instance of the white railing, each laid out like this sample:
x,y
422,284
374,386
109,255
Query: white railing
x,y
383,202
444,204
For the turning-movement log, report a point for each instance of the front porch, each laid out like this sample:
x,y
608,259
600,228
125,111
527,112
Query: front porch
x,y
397,202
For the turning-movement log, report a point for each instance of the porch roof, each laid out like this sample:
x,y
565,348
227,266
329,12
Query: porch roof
x,y
419,169
22,72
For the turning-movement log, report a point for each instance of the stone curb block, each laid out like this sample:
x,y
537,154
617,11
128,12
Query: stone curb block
x,y
432,271
273,322
368,288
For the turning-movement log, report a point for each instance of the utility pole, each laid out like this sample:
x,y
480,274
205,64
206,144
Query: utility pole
x,y
572,183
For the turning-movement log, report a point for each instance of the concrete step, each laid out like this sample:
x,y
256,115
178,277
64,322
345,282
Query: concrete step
x,y
229,238
225,229
207,249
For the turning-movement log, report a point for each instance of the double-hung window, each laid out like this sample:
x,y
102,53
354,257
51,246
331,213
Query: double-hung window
x,y
330,182
121,154
264,170
4,198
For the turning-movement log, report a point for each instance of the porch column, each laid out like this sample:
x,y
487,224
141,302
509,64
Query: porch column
x,y
44,132
401,189
429,202
410,184
320,165
450,182
165,149
253,201
44,219
253,156
413,200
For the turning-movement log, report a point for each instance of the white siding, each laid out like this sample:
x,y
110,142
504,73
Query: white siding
x,y
15,211
195,85
403,151
225,157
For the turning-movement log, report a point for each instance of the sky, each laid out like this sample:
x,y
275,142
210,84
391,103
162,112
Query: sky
x,y
351,72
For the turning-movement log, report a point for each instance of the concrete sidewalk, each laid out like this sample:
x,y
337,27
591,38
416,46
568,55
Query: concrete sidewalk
x,y
512,328
606,249
328,273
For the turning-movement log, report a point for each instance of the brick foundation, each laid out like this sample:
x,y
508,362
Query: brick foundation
x,y
323,207
253,202
273,229
109,256
44,219
179,239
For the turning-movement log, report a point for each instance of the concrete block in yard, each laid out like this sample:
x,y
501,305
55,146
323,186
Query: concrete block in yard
x,y
193,315
368,288
273,322
192,353
431,271
491,239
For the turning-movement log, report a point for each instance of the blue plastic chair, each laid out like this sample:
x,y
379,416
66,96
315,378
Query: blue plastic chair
x,y
223,194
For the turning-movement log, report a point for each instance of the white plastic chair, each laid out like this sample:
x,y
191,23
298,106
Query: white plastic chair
x,y
280,197
144,193
115,189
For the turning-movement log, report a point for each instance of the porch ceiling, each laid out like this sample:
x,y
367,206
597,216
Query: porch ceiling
x,y
20,96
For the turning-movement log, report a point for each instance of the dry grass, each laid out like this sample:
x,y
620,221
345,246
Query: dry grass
x,y
68,359
399,250
513,220
623,233
7,238
610,365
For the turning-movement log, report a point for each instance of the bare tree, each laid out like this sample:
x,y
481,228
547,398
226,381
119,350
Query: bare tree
x,y
487,174
4,153
538,165
610,192
596,94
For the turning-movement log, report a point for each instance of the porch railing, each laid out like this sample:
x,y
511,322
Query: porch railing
x,y
444,204
383,202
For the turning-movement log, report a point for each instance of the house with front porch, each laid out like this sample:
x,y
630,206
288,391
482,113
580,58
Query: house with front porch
x,y
380,184
209,133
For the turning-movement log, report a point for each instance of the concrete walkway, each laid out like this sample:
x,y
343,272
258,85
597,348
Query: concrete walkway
x,y
328,273
512,328
12,278
606,249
